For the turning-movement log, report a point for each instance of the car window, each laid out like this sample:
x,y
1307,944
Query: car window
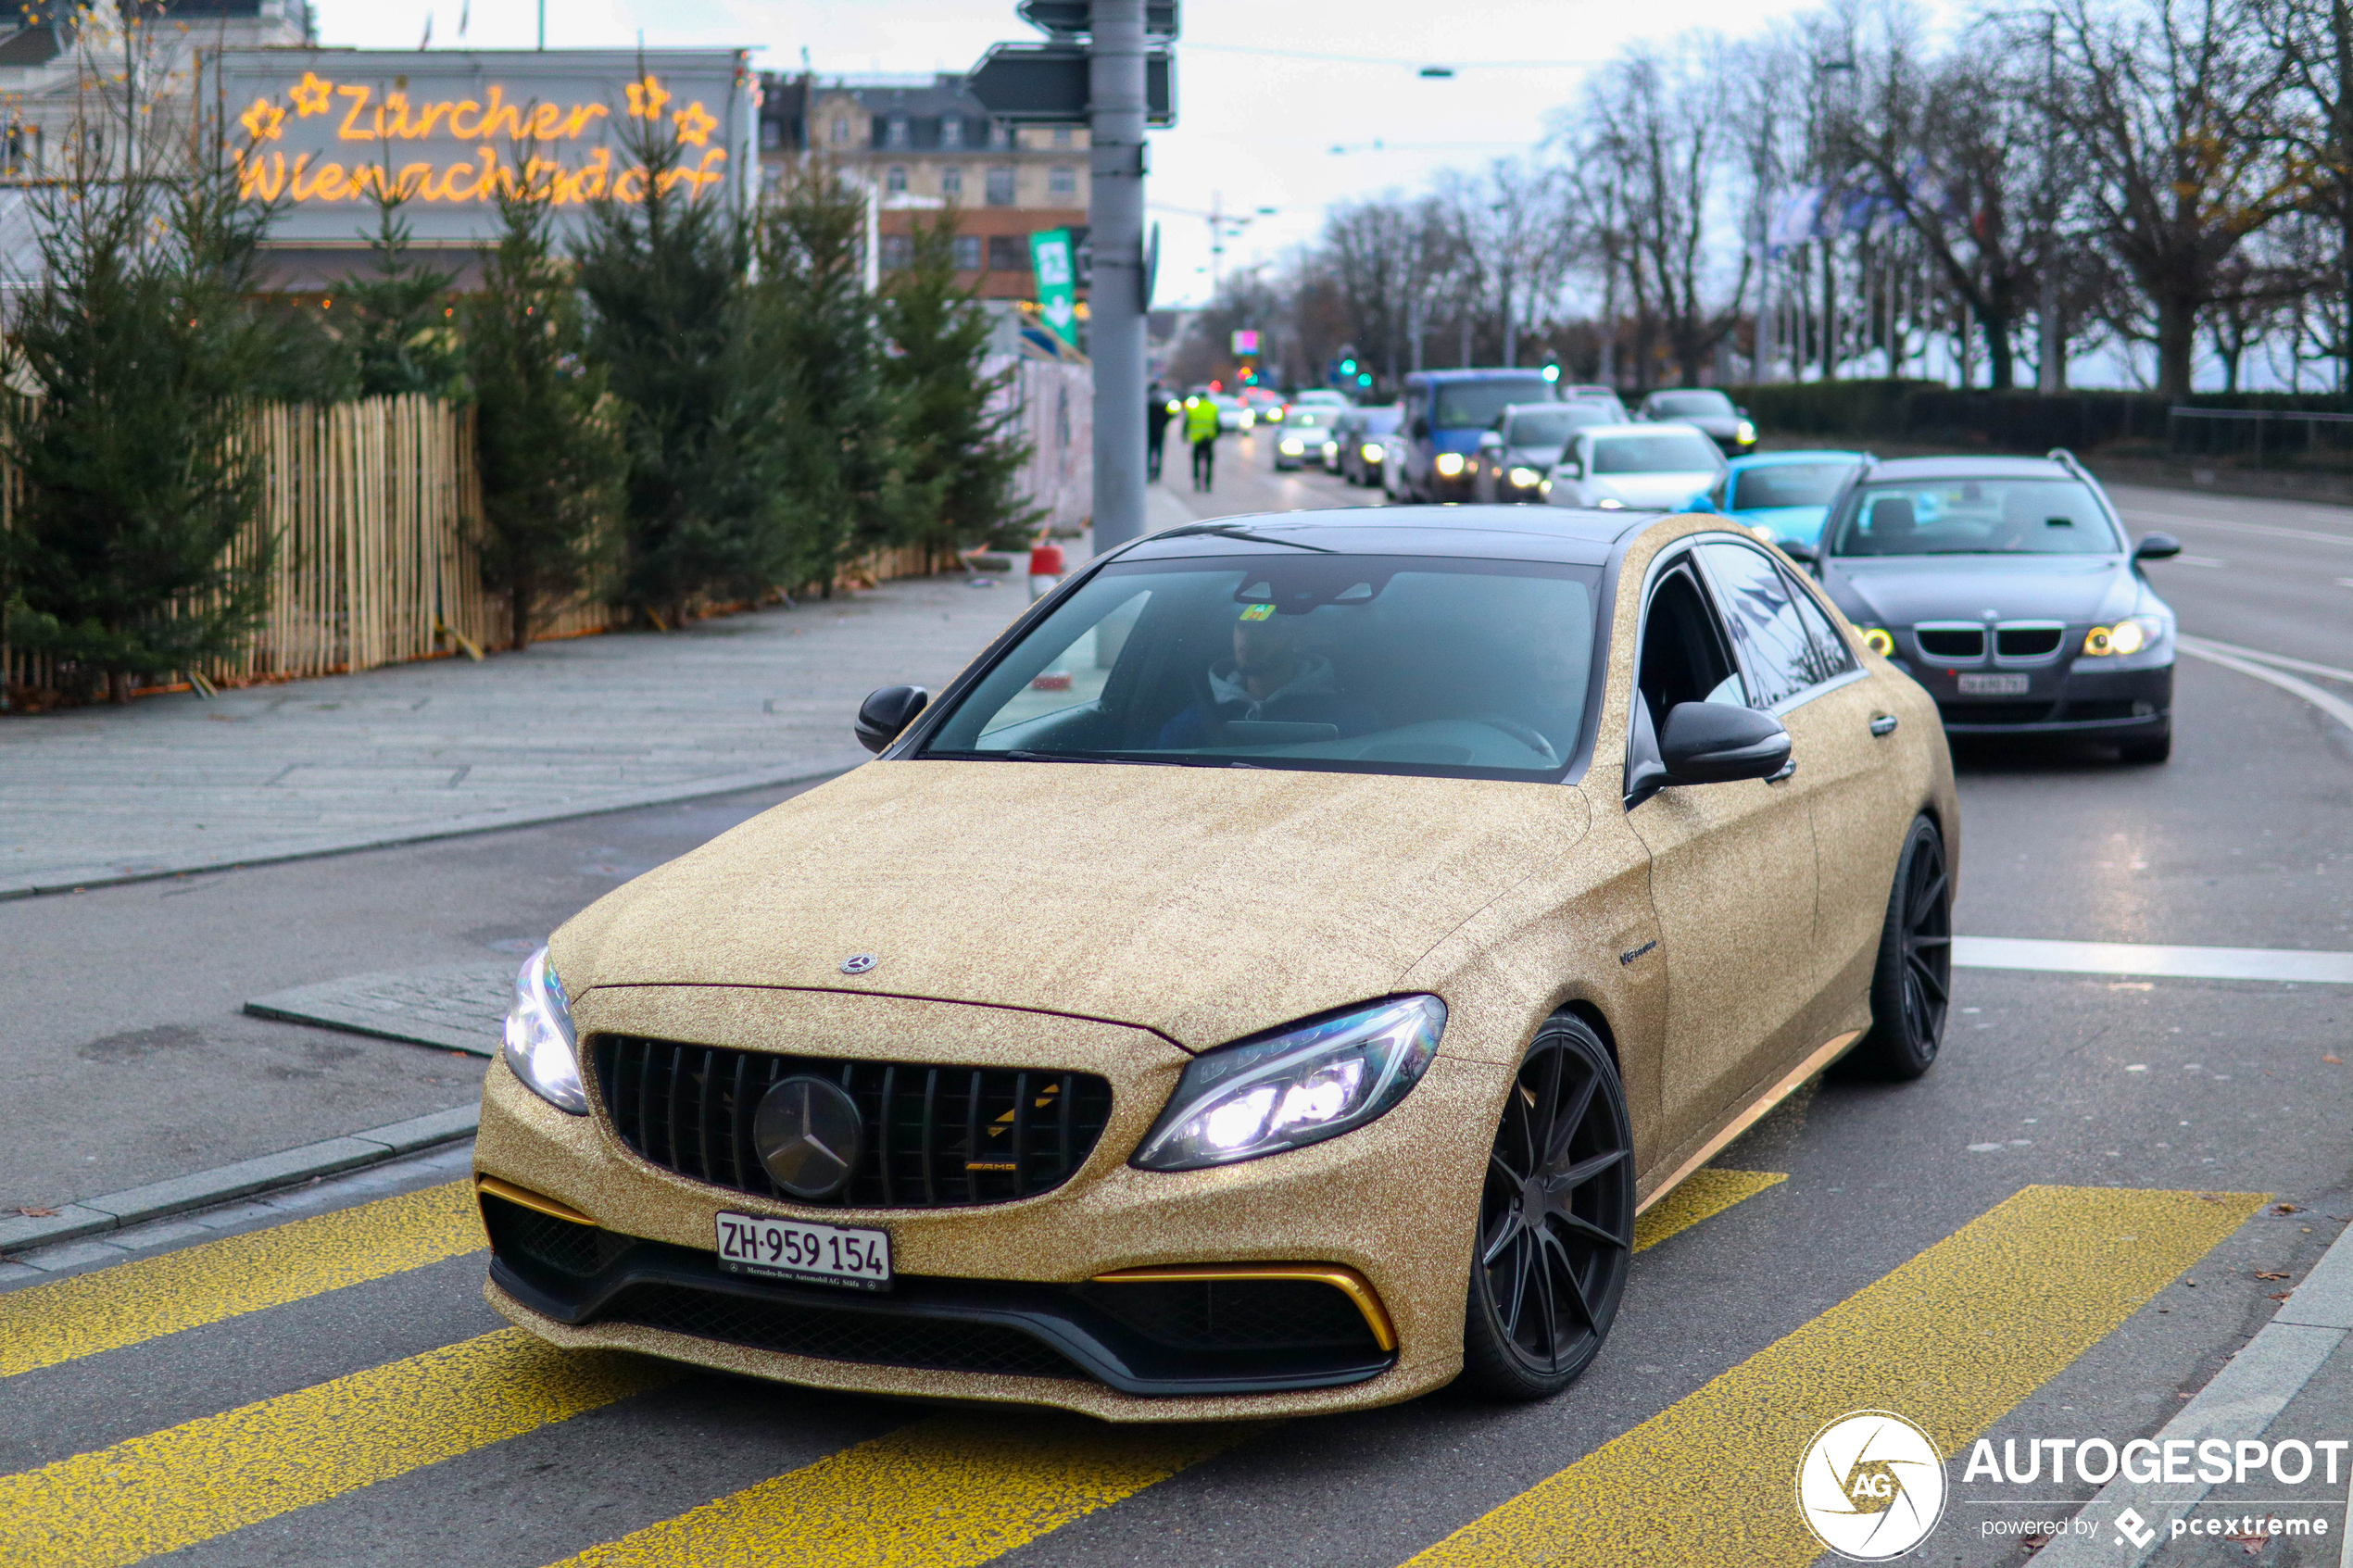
x,y
1969,516
1473,405
1542,427
1789,484
1779,656
1374,663
1380,422
1691,405
1684,655
1668,452
1833,655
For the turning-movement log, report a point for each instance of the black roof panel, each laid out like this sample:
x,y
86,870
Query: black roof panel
x,y
1543,534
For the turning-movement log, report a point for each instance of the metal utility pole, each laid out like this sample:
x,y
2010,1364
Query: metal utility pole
x,y
1116,162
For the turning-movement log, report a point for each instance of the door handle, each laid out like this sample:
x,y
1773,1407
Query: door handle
x,y
1884,724
1789,771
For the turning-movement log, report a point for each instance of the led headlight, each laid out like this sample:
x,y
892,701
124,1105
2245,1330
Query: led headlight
x,y
541,1046
1876,639
1448,464
1371,452
1526,477
1291,446
1745,434
1331,450
2129,636
1311,1082
1249,419
1610,503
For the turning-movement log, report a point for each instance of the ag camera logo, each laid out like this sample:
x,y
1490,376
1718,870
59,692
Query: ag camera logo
x,y
1870,1485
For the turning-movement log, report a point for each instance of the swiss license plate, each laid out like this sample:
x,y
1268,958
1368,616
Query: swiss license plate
x,y
1992,686
793,1250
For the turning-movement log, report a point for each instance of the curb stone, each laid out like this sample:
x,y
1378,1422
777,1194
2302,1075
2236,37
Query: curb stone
x,y
287,1168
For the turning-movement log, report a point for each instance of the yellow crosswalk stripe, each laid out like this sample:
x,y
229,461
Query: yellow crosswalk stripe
x,y
1952,1339
44,1324
943,1493
210,1477
1703,1195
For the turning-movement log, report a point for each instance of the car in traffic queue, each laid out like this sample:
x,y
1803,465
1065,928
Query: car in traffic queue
x,y
1264,403
1784,496
1592,392
1362,435
1299,442
1638,466
1526,441
2008,588
1444,414
1232,412
1726,424
1416,911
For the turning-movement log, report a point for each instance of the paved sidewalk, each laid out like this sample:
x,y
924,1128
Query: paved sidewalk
x,y
416,751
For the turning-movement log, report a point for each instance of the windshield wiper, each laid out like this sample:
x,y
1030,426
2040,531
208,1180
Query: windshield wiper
x,y
1073,757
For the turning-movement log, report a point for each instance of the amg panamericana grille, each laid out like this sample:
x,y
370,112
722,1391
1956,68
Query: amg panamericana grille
x,y
934,1136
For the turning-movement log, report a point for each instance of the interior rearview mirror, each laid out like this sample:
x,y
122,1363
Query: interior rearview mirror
x,y
1719,742
2157,547
886,712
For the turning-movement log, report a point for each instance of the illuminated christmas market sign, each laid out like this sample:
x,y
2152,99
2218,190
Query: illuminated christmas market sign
x,y
319,133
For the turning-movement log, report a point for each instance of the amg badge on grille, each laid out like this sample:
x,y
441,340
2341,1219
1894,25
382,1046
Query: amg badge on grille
x,y
808,1134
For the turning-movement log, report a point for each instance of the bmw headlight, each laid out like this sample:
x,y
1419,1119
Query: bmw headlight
x,y
2129,636
1610,503
1448,464
1526,478
1878,640
1311,1082
541,1046
1371,452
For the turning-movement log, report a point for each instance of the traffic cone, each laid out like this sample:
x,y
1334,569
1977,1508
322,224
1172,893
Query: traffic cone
x,y
1046,570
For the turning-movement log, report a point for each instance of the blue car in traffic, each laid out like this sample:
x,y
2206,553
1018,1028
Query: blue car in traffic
x,y
1784,496
1445,412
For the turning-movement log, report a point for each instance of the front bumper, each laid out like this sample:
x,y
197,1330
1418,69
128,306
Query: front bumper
x,y
1394,1204
2061,698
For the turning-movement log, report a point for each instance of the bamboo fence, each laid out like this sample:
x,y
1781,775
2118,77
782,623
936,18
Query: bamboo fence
x,y
374,505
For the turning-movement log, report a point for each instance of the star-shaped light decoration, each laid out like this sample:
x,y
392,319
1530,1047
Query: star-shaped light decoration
x,y
311,94
695,124
263,120
647,97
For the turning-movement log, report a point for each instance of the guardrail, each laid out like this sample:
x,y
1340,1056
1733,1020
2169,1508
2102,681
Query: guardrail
x,y
2250,434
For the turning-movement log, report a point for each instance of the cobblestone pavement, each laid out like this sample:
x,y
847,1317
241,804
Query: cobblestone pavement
x,y
415,751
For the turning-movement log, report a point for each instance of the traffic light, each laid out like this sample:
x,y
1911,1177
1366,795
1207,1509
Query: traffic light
x,y
1348,367
1364,378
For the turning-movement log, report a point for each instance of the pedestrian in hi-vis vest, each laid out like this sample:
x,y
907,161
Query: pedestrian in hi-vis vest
x,y
1200,428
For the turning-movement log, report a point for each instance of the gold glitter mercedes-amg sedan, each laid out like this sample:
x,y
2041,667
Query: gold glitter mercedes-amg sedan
x,y
1271,979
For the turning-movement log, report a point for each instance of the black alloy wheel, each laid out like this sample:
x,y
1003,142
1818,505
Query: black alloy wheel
x,y
1555,1220
1912,984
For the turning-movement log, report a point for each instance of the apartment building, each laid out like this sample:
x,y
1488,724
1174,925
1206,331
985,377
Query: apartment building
x,y
924,142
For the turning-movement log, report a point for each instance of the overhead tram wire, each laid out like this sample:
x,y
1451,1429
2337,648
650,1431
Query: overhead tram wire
x,y
1434,69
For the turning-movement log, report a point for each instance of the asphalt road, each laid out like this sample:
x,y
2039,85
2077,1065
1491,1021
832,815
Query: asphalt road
x,y
370,1425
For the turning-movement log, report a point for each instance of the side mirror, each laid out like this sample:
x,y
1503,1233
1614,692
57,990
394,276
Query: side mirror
x,y
1573,466
1703,502
1719,742
1490,441
1421,430
2158,547
1803,553
885,713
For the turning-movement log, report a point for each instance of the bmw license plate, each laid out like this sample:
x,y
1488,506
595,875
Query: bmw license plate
x,y
792,1250
1992,686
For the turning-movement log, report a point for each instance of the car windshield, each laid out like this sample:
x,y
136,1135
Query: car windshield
x,y
1313,414
1380,422
1361,664
1788,484
1693,404
1969,516
1680,451
1551,427
1473,405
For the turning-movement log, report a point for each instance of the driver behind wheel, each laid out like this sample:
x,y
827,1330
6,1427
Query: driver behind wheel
x,y
1269,679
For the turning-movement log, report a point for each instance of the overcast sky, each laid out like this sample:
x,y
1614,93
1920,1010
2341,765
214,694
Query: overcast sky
x,y
1257,116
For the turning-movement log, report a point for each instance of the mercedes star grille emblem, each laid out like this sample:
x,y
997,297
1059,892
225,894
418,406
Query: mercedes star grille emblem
x,y
808,1133
858,963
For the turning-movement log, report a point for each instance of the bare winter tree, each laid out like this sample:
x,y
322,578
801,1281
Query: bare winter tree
x,y
2176,107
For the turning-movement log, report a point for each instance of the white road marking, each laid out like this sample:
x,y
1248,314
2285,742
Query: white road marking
x,y
2334,707
2273,530
2147,957
2276,661
2344,581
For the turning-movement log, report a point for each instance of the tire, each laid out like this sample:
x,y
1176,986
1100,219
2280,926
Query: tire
x,y
1912,982
2155,750
1543,1293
